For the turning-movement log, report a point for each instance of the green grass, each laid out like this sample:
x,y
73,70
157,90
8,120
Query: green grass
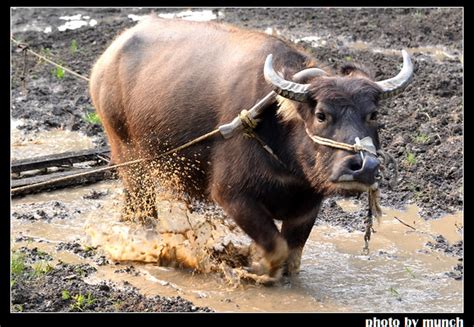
x,y
65,295
418,195
418,14
89,248
92,118
421,138
17,263
393,292
410,272
46,52
17,266
81,302
410,159
18,308
41,268
73,46
118,305
58,72
80,271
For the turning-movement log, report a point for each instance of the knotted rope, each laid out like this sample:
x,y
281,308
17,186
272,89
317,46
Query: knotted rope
x,y
249,124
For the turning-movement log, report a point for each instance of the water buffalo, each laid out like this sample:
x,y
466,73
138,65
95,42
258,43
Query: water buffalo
x,y
165,82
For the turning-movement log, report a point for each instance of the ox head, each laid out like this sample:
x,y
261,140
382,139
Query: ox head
x,y
340,108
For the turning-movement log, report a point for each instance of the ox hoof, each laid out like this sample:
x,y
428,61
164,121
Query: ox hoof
x,y
293,263
269,266
258,274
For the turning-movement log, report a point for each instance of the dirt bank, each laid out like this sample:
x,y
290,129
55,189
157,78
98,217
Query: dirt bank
x,y
39,285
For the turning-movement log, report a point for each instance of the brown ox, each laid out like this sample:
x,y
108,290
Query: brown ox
x,y
165,82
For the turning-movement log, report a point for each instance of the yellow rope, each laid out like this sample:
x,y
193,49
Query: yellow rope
x,y
25,47
60,179
339,145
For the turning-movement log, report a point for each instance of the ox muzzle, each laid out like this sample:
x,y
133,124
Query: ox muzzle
x,y
358,171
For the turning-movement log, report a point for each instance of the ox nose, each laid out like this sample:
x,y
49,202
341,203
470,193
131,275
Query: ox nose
x,y
358,170
366,174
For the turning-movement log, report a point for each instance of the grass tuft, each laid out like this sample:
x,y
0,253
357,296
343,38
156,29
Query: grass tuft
x,y
410,159
92,118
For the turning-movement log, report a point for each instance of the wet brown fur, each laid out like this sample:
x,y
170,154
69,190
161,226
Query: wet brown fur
x,y
165,82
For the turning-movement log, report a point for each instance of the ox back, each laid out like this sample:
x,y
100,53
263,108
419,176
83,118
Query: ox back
x,y
165,82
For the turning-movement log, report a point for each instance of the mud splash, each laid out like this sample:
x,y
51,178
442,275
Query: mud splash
x,y
400,274
180,239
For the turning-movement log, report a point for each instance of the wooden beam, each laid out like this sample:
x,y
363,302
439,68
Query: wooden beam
x,y
90,178
65,158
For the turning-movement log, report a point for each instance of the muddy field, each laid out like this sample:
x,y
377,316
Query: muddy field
x,y
422,128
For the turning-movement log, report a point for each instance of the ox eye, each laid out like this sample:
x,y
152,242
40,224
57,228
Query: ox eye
x,y
321,116
373,115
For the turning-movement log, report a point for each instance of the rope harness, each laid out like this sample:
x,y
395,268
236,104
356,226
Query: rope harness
x,y
249,125
246,122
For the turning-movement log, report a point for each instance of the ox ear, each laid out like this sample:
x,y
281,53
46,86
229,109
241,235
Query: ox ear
x,y
355,70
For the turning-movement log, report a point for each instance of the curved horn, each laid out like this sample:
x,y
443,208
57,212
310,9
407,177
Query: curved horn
x,y
396,84
308,73
287,89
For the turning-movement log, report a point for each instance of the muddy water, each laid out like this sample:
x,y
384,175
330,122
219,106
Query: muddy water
x,y
399,275
45,142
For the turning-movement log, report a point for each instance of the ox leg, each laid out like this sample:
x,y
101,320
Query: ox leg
x,y
258,223
296,232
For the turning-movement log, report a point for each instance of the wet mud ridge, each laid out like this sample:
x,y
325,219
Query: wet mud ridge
x,y
71,252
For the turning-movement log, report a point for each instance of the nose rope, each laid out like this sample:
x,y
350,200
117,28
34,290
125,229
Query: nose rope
x,y
356,147
359,146
373,191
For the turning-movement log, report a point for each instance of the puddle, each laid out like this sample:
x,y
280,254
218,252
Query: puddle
x,y
194,15
46,142
316,41
349,205
440,53
400,274
75,21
